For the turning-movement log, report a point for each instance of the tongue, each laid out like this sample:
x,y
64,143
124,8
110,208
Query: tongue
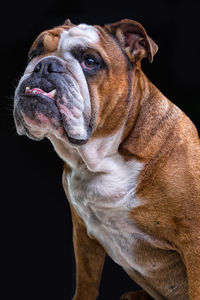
x,y
40,91
37,91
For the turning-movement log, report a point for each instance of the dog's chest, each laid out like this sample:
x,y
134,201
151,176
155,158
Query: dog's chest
x,y
104,200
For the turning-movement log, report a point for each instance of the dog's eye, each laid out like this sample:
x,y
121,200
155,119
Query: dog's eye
x,y
89,63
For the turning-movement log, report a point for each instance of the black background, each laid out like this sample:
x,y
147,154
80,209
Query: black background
x,y
36,226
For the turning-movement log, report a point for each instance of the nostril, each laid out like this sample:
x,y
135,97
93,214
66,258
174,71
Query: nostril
x,y
54,67
48,66
37,68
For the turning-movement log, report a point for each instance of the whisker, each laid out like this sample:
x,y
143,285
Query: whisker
x,y
9,97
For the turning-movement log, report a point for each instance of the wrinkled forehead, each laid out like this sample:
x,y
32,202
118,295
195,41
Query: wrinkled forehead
x,y
65,38
82,35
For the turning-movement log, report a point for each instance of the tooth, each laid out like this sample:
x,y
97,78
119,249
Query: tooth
x,y
52,93
27,89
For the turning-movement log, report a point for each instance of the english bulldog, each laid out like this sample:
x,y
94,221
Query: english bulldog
x,y
131,157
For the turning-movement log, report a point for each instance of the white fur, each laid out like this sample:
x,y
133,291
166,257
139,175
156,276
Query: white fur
x,y
103,200
84,36
81,35
102,190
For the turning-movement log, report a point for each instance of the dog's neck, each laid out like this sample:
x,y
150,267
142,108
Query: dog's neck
x,y
140,91
150,122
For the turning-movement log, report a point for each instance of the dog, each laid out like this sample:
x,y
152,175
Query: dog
x,y
131,157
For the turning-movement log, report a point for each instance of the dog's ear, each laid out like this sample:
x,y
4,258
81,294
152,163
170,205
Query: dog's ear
x,y
134,39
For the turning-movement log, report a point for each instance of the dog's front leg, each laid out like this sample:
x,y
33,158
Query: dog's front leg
x,y
192,258
190,252
90,257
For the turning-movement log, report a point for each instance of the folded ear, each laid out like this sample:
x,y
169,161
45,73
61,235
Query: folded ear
x,y
134,39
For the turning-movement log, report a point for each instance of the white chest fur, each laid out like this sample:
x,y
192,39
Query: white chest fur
x,y
104,199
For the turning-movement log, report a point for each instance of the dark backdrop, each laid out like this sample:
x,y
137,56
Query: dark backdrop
x,y
36,226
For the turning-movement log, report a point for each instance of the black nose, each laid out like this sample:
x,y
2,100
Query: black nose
x,y
48,66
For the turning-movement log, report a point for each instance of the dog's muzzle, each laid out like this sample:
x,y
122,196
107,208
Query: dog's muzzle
x,y
51,99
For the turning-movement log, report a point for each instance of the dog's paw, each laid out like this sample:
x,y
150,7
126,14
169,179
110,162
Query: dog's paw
x,y
139,295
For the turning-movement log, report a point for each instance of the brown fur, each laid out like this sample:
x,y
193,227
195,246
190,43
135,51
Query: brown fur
x,y
168,143
49,39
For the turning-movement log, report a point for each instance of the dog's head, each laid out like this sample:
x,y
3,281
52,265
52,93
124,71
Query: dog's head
x,y
78,80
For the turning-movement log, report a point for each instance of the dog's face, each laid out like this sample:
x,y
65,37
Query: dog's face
x,y
77,78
